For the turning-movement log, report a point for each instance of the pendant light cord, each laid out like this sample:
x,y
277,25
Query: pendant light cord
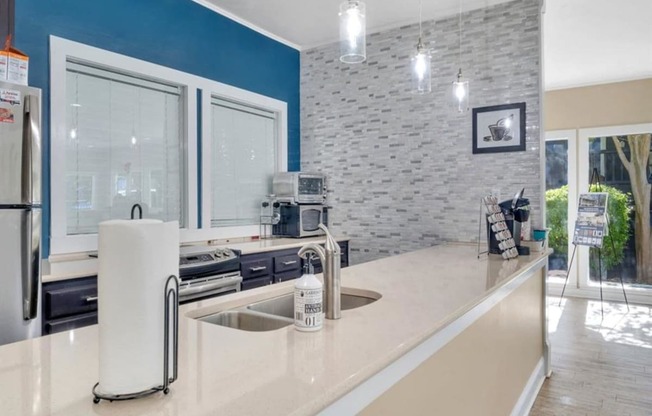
x,y
419,44
420,18
459,31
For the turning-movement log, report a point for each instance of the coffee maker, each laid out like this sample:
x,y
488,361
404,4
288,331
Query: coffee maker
x,y
516,212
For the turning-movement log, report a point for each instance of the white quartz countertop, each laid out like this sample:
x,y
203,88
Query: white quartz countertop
x,y
77,266
224,371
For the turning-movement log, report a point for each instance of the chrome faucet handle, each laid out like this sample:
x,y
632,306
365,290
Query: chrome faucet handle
x,y
312,248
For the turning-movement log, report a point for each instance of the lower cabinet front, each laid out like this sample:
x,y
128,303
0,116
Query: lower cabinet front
x,y
257,282
66,324
69,304
260,269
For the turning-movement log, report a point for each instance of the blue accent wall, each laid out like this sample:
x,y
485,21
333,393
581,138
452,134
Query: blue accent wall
x,y
179,34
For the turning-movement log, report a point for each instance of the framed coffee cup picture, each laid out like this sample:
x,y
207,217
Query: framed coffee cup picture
x,y
499,128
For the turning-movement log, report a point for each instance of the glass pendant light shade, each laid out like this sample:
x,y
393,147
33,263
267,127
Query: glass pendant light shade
x,y
353,29
460,93
421,74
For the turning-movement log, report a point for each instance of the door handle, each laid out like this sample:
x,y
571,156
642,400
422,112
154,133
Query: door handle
x,y
289,262
31,262
258,268
91,299
31,153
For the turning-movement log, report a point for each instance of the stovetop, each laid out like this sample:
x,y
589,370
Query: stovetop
x,y
202,261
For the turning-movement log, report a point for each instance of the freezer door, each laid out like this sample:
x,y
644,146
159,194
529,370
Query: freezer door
x,y
20,274
20,145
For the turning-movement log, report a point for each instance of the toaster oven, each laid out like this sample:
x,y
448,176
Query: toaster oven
x,y
300,187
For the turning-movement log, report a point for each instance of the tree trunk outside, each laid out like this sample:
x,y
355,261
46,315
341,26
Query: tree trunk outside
x,y
639,147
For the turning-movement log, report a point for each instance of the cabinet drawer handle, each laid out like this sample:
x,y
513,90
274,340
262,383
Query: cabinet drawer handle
x,y
91,298
258,269
289,262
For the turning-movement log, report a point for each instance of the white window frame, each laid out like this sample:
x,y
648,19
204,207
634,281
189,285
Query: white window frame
x,y
61,50
215,89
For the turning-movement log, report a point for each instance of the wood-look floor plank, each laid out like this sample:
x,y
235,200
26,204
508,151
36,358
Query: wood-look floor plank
x,y
600,366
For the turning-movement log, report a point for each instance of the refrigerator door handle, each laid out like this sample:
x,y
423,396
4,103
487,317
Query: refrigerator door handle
x,y
31,261
31,152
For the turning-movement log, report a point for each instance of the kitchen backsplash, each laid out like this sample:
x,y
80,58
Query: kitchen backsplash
x,y
400,165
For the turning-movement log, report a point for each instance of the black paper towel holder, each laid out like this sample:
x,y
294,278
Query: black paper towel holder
x,y
171,296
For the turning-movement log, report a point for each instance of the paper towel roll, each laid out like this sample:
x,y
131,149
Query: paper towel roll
x,y
135,257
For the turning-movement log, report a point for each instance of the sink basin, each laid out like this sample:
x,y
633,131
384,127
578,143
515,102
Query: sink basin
x,y
284,305
277,313
247,321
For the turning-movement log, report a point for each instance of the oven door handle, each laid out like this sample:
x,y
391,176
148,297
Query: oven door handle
x,y
191,290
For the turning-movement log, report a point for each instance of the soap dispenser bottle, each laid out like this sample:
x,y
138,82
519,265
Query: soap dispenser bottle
x,y
308,300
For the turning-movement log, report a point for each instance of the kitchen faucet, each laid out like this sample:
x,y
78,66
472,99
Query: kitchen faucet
x,y
330,259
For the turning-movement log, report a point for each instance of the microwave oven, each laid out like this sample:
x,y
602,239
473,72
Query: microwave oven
x,y
300,220
300,187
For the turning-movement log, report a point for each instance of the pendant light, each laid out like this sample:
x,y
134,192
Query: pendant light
x,y
421,60
353,28
460,89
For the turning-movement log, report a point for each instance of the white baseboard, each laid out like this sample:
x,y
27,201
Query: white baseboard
x,y
531,390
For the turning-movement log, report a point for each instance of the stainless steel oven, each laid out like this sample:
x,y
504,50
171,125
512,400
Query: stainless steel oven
x,y
300,220
207,271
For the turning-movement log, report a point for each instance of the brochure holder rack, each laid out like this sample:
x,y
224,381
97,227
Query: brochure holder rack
x,y
595,180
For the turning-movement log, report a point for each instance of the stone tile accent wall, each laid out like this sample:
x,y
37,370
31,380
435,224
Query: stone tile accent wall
x,y
400,165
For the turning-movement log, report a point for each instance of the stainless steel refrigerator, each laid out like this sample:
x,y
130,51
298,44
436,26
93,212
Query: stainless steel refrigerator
x,y
20,212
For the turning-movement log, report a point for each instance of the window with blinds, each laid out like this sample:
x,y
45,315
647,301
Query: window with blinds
x,y
123,146
244,147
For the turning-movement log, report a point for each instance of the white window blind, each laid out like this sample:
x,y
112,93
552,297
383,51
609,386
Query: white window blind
x,y
123,146
244,143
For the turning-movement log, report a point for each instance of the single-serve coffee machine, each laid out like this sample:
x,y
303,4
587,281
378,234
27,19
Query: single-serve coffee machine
x,y
297,206
516,212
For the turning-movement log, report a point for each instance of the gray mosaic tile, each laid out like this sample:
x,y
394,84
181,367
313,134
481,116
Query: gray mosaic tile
x,y
400,167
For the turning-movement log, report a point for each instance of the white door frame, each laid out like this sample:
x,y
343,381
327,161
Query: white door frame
x,y
571,137
578,280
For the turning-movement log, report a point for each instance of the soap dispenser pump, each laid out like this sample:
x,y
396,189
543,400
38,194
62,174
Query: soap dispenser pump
x,y
308,300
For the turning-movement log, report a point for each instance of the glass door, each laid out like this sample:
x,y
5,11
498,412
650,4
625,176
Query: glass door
x,y
621,158
561,167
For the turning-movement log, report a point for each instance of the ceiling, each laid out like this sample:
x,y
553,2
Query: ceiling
x,y
304,24
586,42
590,42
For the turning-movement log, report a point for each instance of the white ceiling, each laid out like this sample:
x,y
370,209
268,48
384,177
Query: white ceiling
x,y
304,24
590,42
586,42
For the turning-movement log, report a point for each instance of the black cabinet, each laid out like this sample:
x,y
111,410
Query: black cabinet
x,y
256,282
69,304
259,269
255,265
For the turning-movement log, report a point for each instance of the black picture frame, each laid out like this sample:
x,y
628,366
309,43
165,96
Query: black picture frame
x,y
492,128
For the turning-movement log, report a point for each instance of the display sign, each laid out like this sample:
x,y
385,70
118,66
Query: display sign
x,y
591,224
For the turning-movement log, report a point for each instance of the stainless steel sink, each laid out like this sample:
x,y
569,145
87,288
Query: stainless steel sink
x,y
284,305
277,313
247,321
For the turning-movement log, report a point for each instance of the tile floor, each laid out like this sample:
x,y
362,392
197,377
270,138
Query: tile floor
x,y
600,366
